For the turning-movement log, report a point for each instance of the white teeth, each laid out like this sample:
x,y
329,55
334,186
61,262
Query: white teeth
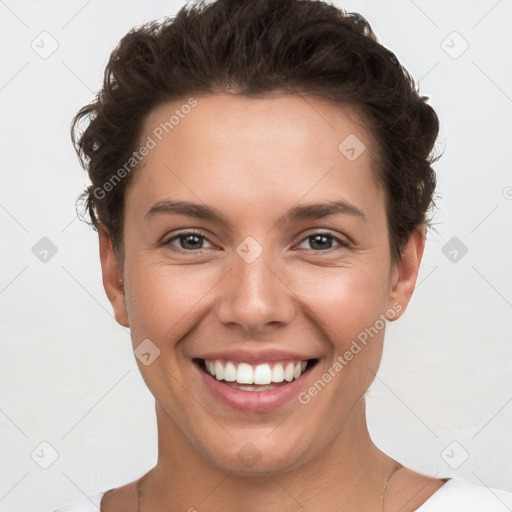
x,y
230,372
219,370
244,373
259,375
288,372
262,374
278,373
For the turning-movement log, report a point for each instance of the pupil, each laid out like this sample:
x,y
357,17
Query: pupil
x,y
188,237
322,239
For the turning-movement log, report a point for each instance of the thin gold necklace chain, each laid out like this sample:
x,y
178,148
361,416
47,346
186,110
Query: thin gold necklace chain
x,y
386,482
384,488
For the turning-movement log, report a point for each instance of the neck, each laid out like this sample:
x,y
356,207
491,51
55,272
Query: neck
x,y
350,470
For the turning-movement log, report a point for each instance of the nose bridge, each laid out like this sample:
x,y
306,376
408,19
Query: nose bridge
x,y
253,295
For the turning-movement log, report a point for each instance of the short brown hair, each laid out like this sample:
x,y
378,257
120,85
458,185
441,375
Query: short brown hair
x,y
253,48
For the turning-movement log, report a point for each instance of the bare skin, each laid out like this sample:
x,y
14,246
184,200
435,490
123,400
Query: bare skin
x,y
406,491
253,160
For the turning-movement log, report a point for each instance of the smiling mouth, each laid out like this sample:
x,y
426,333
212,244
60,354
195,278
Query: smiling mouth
x,y
255,377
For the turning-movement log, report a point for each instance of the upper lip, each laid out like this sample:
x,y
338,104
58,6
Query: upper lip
x,y
255,356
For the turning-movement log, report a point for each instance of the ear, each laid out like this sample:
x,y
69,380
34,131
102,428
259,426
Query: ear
x,y
112,276
405,273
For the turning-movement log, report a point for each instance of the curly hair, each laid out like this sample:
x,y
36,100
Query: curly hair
x,y
254,48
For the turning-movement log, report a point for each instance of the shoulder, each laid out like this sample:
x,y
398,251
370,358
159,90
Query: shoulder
x,y
87,504
458,495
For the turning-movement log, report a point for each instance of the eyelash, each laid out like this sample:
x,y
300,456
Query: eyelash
x,y
341,243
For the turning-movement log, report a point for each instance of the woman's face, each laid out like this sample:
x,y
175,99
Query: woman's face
x,y
265,280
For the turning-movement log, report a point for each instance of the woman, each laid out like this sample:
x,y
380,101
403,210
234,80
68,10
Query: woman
x,y
261,178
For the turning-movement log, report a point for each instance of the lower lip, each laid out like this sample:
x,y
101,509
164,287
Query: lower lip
x,y
253,401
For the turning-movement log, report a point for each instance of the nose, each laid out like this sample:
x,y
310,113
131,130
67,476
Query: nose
x,y
254,295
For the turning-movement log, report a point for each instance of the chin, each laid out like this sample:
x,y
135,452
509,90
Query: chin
x,y
258,456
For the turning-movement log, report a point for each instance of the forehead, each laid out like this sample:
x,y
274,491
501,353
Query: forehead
x,y
259,151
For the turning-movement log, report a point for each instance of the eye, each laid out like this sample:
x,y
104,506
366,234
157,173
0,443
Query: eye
x,y
323,241
188,240
193,241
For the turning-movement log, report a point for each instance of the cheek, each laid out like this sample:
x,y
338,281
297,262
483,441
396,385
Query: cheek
x,y
163,300
346,306
343,301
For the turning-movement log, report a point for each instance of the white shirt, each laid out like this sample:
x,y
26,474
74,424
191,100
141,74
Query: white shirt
x,y
456,495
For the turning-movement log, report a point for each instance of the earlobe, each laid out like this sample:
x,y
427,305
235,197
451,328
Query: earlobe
x,y
405,273
112,278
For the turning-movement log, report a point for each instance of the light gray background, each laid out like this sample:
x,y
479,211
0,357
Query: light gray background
x,y
68,376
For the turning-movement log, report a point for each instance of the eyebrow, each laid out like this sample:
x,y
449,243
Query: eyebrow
x,y
296,213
